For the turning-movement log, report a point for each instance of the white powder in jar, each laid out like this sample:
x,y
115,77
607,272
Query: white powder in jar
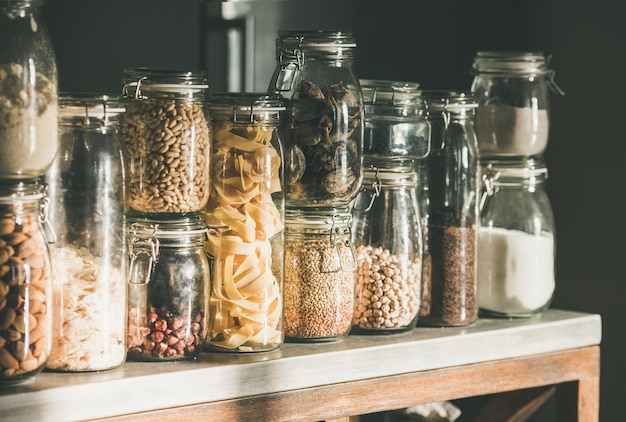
x,y
504,130
515,271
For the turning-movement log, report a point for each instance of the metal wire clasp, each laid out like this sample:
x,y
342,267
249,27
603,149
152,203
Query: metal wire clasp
x,y
339,236
142,251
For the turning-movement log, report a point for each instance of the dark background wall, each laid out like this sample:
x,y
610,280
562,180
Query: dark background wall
x,y
431,41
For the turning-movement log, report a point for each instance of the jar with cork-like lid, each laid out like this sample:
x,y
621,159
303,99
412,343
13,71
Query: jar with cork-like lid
x,y
245,216
167,135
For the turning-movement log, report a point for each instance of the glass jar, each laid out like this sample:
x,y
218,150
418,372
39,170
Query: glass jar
x,y
323,131
320,274
167,137
28,91
25,284
87,193
388,240
516,240
397,131
245,215
168,287
453,219
512,91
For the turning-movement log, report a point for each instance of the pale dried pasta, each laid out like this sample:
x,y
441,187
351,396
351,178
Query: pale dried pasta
x,y
246,302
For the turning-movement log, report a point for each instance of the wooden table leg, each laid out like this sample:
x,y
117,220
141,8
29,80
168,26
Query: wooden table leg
x,y
578,400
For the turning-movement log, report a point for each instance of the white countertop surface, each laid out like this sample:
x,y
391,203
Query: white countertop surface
x,y
141,386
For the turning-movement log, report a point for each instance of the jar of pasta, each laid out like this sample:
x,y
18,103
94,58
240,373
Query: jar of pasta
x,y
25,283
320,275
87,197
167,135
245,216
168,287
323,132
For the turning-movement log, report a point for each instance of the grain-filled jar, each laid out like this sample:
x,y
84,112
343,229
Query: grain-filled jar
x,y
388,241
168,287
323,131
512,90
167,134
245,216
25,283
516,240
453,220
87,200
320,271
28,91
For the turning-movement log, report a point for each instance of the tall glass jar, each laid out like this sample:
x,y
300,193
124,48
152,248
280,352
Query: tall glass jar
x,y
323,132
25,282
168,287
245,215
388,241
453,219
516,240
320,271
28,91
512,91
167,136
87,193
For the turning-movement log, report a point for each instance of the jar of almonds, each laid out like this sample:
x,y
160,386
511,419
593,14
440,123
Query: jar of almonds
x,y
25,282
166,133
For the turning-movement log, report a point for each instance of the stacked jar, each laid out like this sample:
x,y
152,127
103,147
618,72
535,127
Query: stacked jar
x,y
167,139
323,137
451,220
387,222
512,124
29,141
245,216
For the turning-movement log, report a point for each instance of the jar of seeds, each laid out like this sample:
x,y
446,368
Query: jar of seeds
x,y
245,215
320,270
453,220
323,132
167,135
25,283
168,287
28,91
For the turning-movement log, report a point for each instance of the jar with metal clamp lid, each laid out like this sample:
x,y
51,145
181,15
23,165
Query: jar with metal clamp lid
x,y
453,220
87,193
167,137
323,131
168,287
245,216
26,282
516,240
28,91
320,269
512,90
388,241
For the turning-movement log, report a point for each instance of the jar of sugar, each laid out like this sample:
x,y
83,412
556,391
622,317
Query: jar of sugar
x,y
512,90
516,239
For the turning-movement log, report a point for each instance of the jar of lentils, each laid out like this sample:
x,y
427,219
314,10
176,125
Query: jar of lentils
x,y
25,282
166,133
168,287
320,271
245,215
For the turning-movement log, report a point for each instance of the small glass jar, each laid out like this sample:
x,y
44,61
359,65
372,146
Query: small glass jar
x,y
323,131
516,240
245,215
512,91
28,91
453,219
320,274
25,284
388,241
167,137
87,197
168,287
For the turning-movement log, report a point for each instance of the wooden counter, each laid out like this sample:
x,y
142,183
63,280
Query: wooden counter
x,y
312,382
